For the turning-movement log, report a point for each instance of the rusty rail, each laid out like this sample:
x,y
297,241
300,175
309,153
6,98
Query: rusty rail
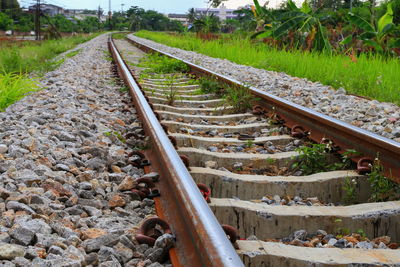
x,y
317,125
201,240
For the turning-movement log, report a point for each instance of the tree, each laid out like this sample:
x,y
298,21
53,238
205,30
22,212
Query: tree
x,y
5,22
215,3
10,7
191,15
379,37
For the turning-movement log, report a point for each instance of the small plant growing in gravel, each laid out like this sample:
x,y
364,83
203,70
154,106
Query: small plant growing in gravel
x,y
171,92
382,188
209,86
161,64
349,188
249,143
239,98
118,35
123,89
316,158
311,159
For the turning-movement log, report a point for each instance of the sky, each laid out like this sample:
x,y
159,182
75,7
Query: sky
x,y
163,6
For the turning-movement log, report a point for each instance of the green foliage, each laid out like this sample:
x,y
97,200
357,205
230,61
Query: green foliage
x,y
170,93
209,85
249,143
316,158
239,98
119,35
36,57
378,37
5,22
162,64
382,188
371,75
13,87
349,188
207,24
140,19
115,135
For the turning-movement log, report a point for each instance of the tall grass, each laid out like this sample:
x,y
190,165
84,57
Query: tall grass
x,y
32,59
368,75
36,57
14,87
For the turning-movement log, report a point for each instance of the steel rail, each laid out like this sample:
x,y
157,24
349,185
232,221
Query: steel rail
x,y
201,240
318,125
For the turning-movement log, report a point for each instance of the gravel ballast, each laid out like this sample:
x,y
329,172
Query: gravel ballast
x,y
65,176
372,115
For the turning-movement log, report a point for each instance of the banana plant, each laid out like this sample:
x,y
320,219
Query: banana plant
x,y
377,37
306,22
262,16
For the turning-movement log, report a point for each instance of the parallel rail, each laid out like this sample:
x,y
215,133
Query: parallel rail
x,y
201,240
317,125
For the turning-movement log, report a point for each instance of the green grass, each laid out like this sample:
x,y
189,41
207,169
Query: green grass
x,y
369,76
19,63
36,57
119,35
14,87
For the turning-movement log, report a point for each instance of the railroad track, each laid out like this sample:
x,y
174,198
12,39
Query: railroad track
x,y
196,144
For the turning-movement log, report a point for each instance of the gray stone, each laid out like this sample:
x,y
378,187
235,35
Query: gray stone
x,y
56,250
300,235
332,241
3,149
364,245
156,255
95,244
16,206
11,251
166,242
37,226
21,262
22,236
4,238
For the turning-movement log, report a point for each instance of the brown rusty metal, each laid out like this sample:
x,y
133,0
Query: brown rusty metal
x,y
201,240
364,165
148,233
345,135
298,131
205,191
173,140
185,161
258,110
231,231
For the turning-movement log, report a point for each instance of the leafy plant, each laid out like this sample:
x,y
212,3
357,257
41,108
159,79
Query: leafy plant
x,y
118,35
13,87
378,36
239,98
382,188
209,86
162,65
316,158
349,188
249,143
311,159
171,93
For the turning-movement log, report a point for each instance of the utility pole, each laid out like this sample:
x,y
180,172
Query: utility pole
x,y
99,16
109,13
37,20
122,8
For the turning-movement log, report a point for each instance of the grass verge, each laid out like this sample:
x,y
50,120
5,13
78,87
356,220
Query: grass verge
x,y
31,58
367,75
14,87
37,57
